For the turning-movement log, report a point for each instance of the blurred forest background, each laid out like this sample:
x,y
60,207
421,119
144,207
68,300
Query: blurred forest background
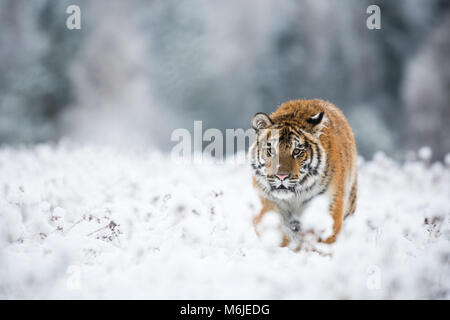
x,y
138,69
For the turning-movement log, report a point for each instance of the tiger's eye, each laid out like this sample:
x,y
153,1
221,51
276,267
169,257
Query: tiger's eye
x,y
296,152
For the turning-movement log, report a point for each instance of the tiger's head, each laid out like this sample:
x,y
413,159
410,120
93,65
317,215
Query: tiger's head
x,y
287,156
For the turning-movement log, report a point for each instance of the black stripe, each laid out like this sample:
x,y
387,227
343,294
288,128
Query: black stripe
x,y
256,167
298,133
258,152
311,157
319,159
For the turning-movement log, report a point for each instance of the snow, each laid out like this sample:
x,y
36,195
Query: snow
x,y
103,222
425,153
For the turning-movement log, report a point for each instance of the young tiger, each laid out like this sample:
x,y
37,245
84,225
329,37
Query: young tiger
x,y
304,149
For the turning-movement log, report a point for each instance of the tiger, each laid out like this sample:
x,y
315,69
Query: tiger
x,y
304,149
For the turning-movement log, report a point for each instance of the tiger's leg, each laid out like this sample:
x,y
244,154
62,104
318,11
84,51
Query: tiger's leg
x,y
267,206
337,213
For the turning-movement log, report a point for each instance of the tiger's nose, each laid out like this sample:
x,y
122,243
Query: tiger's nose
x,y
281,176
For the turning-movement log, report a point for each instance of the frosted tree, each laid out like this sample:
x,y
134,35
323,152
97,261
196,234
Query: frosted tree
x,y
35,50
426,93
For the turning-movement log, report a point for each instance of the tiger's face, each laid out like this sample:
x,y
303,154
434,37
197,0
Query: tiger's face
x,y
285,157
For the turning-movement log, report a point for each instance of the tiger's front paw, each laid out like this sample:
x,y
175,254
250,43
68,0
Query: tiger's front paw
x,y
331,239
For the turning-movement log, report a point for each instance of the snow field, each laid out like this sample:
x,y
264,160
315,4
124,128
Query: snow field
x,y
102,222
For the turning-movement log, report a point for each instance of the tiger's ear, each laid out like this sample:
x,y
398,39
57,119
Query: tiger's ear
x,y
261,121
317,121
